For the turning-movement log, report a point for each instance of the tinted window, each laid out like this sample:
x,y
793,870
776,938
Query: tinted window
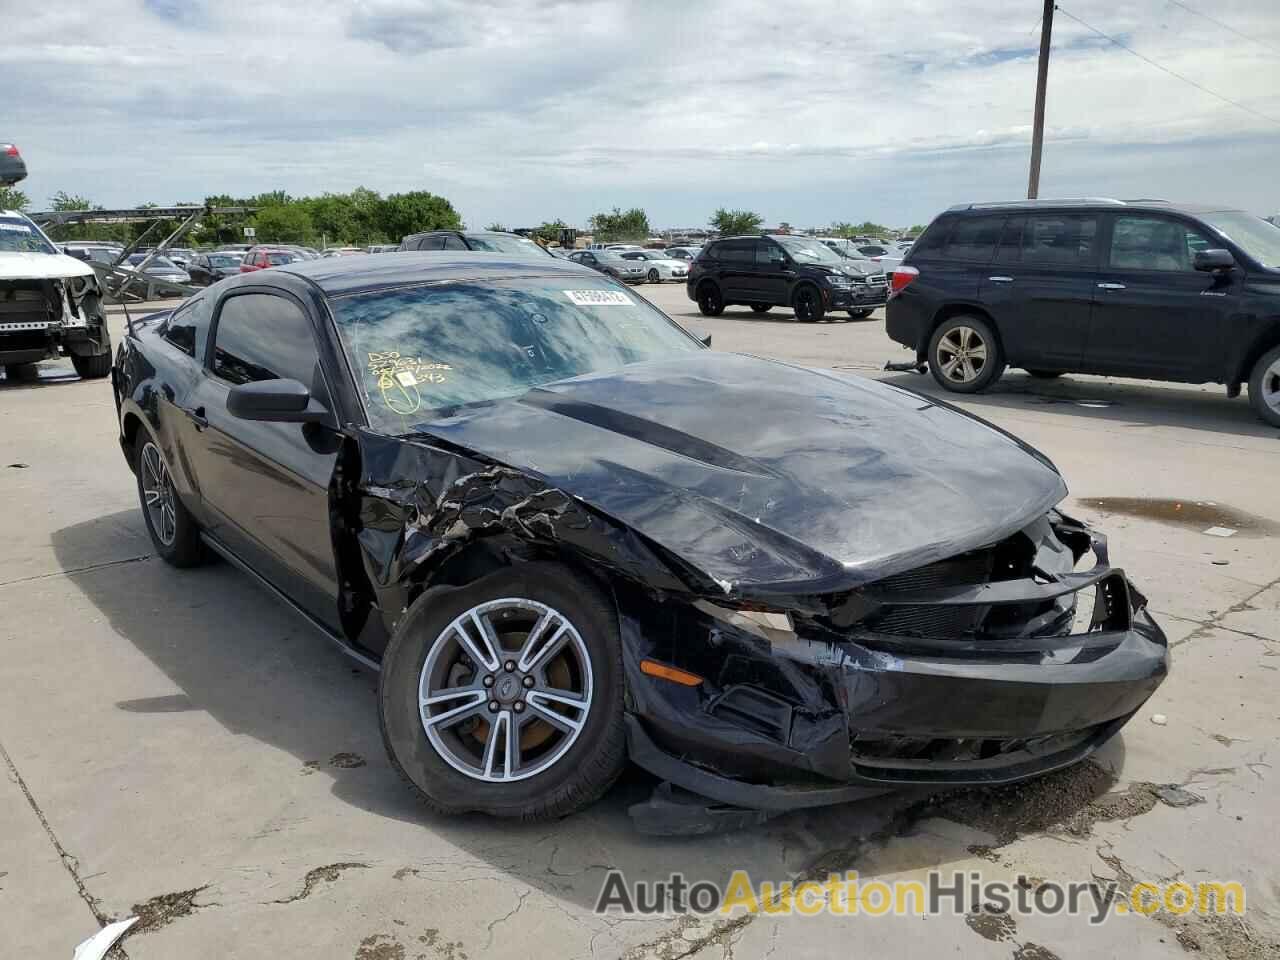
x,y
261,337
769,253
1154,243
431,243
974,238
450,242
1009,249
1065,239
738,251
180,329
933,239
710,252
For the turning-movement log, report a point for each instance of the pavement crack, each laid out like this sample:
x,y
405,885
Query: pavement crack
x,y
1215,622
69,862
327,874
492,924
74,570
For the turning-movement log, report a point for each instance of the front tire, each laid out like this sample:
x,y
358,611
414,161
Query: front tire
x,y
92,367
653,275
710,302
531,650
173,531
1264,387
964,354
807,304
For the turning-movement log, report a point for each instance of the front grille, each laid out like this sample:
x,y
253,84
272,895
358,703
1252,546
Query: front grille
x,y
939,620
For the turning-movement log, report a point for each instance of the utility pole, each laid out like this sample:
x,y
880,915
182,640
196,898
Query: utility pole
x,y
1042,81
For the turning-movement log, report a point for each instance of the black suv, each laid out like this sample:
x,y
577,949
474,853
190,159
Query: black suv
x,y
782,271
1145,289
487,241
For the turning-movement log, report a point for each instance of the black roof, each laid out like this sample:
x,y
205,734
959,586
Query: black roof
x,y
340,275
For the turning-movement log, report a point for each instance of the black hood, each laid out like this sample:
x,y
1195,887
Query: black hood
x,y
768,477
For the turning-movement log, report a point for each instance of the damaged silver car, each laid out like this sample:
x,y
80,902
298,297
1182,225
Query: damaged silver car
x,y
50,304
570,536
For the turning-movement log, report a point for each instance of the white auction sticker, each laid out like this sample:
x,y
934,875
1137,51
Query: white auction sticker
x,y
599,298
407,379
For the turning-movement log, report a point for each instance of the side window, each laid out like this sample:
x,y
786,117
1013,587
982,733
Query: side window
x,y
974,239
1065,239
710,252
1153,243
934,238
450,242
738,251
769,253
1009,250
263,337
180,329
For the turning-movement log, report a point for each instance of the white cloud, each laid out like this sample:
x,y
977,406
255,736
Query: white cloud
x,y
517,110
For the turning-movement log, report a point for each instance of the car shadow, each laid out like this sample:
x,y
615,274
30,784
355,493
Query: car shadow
x,y
259,671
1102,399
48,374
782,315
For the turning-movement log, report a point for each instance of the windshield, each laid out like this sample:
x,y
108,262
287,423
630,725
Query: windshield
x,y
418,352
498,244
19,235
1260,238
224,259
807,250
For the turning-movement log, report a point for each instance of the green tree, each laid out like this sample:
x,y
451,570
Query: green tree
x,y
405,213
67,201
918,229
630,224
731,222
13,199
288,223
549,231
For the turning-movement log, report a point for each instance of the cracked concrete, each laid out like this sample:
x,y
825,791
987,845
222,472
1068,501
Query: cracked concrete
x,y
178,731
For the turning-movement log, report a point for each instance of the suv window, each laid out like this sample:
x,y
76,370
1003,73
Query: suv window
x,y
738,251
974,238
452,242
769,254
1062,238
431,243
1153,243
264,337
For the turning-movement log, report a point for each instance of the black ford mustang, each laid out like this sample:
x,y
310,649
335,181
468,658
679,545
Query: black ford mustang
x,y
569,534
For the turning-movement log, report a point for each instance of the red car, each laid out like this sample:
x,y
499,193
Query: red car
x,y
260,258
12,167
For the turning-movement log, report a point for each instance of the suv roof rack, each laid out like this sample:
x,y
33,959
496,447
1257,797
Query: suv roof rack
x,y
1062,202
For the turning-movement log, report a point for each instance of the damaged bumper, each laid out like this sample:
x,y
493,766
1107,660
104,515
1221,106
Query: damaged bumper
x,y
45,318
998,665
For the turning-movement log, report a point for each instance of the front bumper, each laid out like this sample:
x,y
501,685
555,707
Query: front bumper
x,y
834,714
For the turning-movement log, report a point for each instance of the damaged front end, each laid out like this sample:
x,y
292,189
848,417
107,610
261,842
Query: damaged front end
x,y
994,665
45,318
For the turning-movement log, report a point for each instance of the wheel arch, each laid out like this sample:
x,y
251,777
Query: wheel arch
x,y
947,312
1268,338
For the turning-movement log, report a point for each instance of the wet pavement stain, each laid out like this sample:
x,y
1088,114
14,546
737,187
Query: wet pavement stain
x,y
346,761
163,910
380,946
991,926
1033,951
1193,514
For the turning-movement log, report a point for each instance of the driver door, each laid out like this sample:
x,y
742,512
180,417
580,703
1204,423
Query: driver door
x,y
265,486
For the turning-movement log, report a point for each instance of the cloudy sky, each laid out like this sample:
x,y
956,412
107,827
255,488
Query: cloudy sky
x,y
806,111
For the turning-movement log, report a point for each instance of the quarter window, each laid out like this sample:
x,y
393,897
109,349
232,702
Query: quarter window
x,y
1065,239
180,329
453,243
263,337
1154,243
738,251
974,238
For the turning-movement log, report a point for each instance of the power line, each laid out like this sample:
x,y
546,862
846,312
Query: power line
x,y
1172,73
1224,26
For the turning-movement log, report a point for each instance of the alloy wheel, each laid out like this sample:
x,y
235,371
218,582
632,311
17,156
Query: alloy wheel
x,y
804,305
653,276
157,494
1271,386
505,690
962,354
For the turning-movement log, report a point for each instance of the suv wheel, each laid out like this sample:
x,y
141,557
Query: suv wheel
x,y
710,303
1264,387
807,304
964,355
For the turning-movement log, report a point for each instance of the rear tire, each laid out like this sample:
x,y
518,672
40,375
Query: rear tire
x,y
710,302
964,354
92,367
761,307
807,304
1264,387
463,764
173,531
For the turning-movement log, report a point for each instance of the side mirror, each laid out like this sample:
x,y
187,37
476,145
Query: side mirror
x,y
1214,260
275,401
705,339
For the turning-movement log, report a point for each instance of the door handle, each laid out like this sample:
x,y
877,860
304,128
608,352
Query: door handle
x,y
198,418
1111,286
1001,279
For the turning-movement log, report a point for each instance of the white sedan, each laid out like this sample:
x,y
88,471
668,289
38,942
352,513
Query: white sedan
x,y
659,266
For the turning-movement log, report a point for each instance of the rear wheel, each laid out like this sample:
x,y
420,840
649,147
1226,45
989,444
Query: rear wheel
x,y
173,531
92,367
964,355
1264,387
505,695
710,302
653,275
860,314
761,307
1045,374
807,304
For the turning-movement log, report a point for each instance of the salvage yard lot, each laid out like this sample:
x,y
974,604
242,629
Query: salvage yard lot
x,y
179,746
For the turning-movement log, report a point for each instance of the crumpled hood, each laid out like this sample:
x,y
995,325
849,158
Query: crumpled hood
x,y
769,478
41,266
